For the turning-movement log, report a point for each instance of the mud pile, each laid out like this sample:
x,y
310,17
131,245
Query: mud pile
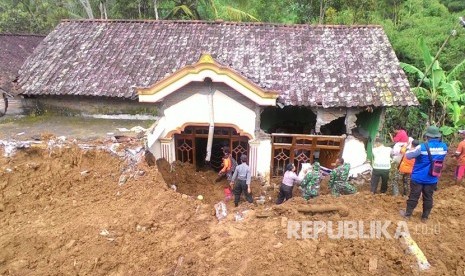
x,y
66,211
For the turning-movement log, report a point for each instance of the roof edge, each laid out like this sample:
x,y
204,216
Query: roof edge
x,y
19,34
217,22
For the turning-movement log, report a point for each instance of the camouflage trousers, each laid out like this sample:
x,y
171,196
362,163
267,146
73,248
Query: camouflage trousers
x,y
342,187
403,179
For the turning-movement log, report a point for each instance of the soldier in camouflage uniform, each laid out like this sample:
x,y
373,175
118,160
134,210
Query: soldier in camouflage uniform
x,y
338,179
311,183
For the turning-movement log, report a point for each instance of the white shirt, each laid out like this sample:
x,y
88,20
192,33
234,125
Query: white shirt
x,y
382,158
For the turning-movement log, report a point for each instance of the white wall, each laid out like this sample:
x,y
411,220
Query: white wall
x,y
195,109
263,159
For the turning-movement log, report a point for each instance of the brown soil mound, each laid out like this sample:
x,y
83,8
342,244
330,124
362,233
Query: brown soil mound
x,y
65,212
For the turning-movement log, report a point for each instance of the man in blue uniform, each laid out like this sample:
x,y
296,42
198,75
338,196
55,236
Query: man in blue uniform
x,y
423,180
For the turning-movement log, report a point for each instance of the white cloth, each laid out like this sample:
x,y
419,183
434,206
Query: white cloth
x,y
396,154
354,152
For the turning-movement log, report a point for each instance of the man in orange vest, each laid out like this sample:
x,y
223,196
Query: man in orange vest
x,y
227,165
404,169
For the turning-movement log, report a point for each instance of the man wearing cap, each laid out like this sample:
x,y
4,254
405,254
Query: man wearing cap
x,y
422,181
242,184
460,156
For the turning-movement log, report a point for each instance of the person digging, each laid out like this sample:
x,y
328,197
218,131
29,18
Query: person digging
x,y
227,169
311,182
339,179
240,181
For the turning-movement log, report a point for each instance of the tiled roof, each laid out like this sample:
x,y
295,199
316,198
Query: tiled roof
x,y
14,49
329,66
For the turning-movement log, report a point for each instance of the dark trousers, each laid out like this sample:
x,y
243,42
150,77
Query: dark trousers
x,y
241,187
285,192
376,174
415,191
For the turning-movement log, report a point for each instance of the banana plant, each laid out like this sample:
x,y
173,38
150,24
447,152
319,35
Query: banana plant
x,y
441,91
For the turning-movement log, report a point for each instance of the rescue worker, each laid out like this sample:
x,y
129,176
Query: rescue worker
x,y
424,180
311,182
381,168
405,166
226,170
290,178
400,135
338,179
240,181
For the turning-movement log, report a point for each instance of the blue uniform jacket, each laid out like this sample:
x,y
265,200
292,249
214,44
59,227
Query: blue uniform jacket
x,y
420,172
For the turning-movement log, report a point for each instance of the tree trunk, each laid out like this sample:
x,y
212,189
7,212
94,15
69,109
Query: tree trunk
x,y
322,13
87,8
155,9
310,11
103,9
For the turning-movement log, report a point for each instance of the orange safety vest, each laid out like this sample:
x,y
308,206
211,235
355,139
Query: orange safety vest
x,y
406,165
226,165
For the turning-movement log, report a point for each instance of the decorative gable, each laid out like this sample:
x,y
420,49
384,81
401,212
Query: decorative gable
x,y
207,68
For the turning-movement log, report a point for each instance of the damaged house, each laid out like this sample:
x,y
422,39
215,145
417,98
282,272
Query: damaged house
x,y
14,49
278,93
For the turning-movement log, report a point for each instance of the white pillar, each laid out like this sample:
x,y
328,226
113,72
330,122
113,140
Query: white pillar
x,y
253,154
167,149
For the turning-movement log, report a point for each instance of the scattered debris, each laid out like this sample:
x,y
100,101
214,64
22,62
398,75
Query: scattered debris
x,y
260,200
342,210
84,173
104,232
264,214
238,216
10,147
177,270
412,247
220,210
227,194
122,179
373,264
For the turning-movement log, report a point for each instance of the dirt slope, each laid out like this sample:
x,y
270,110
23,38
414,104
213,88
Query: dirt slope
x,y
64,212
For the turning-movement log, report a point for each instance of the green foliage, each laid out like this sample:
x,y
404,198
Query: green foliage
x,y
454,5
413,119
28,16
441,95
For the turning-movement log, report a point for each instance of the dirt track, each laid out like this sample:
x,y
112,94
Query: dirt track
x,y
64,212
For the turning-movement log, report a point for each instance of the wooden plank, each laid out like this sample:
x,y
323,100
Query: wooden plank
x,y
307,135
328,147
